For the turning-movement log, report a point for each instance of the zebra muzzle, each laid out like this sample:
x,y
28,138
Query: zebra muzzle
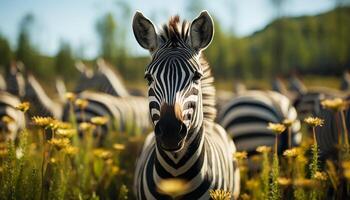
x,y
170,136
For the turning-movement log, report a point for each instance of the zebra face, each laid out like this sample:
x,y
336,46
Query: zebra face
x,y
174,98
174,76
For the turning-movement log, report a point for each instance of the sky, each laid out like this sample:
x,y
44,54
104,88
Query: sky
x,y
74,21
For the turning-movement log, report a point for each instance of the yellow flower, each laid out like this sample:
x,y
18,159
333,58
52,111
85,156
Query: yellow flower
x,y
53,160
314,121
294,152
240,155
321,176
115,169
306,183
70,150
102,153
245,196
284,181
86,127
173,186
220,195
252,184
345,164
263,149
7,120
70,96
42,121
288,122
347,174
3,152
60,143
336,104
68,133
119,147
276,128
81,103
100,120
24,106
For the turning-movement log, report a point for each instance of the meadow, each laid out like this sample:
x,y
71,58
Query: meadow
x,y
51,159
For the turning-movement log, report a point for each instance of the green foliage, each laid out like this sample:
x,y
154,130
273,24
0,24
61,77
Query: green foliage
x,y
64,61
275,193
5,53
106,29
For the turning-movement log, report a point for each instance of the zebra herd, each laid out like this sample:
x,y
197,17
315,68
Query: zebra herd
x,y
190,140
103,89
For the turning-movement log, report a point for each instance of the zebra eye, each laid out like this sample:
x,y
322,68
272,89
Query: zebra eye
x,y
149,78
196,76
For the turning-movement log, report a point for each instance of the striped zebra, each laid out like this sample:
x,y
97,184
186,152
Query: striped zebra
x,y
126,114
186,143
246,118
103,80
11,120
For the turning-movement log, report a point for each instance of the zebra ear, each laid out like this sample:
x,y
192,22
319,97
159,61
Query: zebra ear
x,y
145,32
201,31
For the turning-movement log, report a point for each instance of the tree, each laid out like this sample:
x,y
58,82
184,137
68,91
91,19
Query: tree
x,y
25,50
106,29
64,61
5,53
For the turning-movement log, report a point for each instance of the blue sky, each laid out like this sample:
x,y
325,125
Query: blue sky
x,y
74,20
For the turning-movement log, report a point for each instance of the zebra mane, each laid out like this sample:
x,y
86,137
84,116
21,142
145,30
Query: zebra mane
x,y
208,92
175,31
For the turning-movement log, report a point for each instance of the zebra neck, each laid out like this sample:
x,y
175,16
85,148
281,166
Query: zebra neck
x,y
189,160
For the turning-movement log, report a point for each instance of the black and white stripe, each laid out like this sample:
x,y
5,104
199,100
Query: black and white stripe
x,y
246,118
186,144
8,102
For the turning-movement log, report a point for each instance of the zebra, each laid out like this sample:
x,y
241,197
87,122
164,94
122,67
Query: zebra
x,y
186,143
126,114
103,80
15,119
247,115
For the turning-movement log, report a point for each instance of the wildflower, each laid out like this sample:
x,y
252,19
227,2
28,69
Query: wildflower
x,y
19,153
321,176
70,96
60,143
42,121
240,155
306,183
245,196
7,120
276,128
173,186
336,104
63,125
347,174
119,147
263,149
284,181
291,152
24,106
3,152
100,120
345,164
102,153
68,133
115,170
81,103
70,150
86,127
287,122
53,160
252,184
314,121
220,195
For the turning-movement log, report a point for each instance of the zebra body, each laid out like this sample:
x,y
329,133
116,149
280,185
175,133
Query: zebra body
x,y
246,118
8,102
186,143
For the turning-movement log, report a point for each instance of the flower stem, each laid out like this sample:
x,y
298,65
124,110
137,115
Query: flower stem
x,y
289,137
345,129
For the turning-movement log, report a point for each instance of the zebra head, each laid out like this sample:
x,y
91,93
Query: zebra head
x,y
175,76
